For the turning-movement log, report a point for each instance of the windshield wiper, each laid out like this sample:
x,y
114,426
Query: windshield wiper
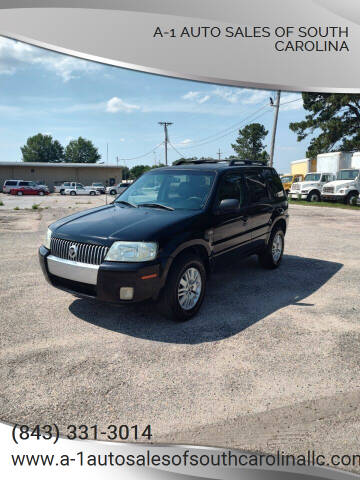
x,y
124,202
155,205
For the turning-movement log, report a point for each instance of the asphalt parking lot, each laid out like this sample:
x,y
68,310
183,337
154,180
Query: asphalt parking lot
x,y
271,362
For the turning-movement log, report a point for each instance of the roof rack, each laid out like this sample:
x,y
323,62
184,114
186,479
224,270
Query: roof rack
x,y
198,161
231,162
235,161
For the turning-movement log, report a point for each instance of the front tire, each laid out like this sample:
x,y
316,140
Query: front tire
x,y
41,193
314,196
73,193
92,194
351,199
184,290
271,257
19,194
112,192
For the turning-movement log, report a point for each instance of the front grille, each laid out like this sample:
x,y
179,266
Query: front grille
x,y
328,189
295,186
85,252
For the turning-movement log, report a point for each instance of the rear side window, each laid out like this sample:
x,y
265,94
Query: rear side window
x,y
273,180
10,183
257,187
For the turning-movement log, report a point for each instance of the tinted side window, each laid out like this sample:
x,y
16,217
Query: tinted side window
x,y
257,188
274,183
231,187
11,183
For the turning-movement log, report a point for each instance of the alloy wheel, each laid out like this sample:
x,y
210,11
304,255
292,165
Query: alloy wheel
x,y
189,288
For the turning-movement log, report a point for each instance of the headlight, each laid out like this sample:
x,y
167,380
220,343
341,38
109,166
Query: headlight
x,y
48,239
132,252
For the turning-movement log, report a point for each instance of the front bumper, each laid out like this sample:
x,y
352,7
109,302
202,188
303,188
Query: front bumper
x,y
333,197
103,282
298,195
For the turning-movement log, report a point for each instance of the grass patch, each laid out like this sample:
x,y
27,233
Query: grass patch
x,y
16,208
1,203
324,204
36,206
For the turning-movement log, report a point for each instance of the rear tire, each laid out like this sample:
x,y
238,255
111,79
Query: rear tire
x,y
271,257
92,193
112,192
19,194
184,289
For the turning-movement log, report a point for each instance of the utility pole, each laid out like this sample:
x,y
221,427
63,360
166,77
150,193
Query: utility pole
x,y
107,153
276,105
219,154
166,124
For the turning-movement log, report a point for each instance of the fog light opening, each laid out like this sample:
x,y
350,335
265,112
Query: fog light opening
x,y
126,293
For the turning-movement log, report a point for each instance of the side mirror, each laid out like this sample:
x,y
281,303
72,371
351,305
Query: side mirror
x,y
228,205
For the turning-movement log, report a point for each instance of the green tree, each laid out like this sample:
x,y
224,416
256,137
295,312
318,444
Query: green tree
x,y
42,148
81,151
250,143
333,122
138,170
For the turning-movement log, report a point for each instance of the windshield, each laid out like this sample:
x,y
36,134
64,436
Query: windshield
x,y
312,177
177,189
286,179
97,184
347,174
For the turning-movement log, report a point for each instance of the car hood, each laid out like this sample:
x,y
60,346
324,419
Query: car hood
x,y
104,225
308,184
339,183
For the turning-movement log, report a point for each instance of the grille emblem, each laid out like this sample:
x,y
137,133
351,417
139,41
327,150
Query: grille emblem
x,y
73,252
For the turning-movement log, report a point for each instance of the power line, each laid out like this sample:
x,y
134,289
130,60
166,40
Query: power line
x,y
229,130
177,151
228,133
291,101
144,154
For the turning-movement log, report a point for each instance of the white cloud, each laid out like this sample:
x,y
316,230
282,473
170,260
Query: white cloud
x,y
116,104
291,101
15,55
204,99
190,95
185,142
121,139
229,94
256,96
196,96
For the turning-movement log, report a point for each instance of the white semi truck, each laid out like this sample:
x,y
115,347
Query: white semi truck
x,y
327,168
346,187
310,189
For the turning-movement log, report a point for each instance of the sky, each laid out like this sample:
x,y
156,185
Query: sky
x,y
119,110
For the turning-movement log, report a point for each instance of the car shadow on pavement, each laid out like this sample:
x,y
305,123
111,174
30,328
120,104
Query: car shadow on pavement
x,y
239,294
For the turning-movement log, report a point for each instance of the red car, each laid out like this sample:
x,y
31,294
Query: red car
x,y
28,191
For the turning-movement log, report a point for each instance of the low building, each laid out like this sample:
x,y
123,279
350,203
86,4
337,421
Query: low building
x,y
52,174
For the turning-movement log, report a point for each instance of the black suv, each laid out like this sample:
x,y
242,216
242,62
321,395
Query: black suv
x,y
160,237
